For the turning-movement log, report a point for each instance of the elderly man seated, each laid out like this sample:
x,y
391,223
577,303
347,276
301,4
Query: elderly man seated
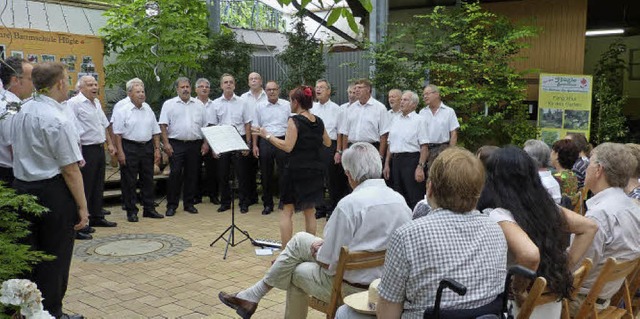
x,y
363,221
453,241
541,154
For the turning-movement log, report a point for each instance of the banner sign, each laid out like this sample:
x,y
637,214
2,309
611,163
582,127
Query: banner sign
x,y
82,54
564,105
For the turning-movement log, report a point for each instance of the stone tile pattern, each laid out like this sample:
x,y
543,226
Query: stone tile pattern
x,y
171,245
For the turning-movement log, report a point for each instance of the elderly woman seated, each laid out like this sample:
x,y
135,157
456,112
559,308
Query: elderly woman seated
x,y
541,154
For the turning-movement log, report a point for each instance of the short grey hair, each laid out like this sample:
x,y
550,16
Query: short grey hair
x,y
539,152
414,96
433,88
202,80
362,161
133,82
180,80
617,161
82,80
325,81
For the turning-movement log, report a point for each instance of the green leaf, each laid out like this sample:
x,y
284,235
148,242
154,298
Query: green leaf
x,y
334,16
351,20
304,3
367,5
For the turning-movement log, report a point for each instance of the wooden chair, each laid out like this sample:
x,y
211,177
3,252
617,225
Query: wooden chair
x,y
634,284
611,271
347,261
580,209
578,278
534,298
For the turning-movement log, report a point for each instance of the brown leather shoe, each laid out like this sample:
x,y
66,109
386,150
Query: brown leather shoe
x,y
244,308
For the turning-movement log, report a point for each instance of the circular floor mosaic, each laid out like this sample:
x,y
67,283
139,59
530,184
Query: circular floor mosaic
x,y
129,248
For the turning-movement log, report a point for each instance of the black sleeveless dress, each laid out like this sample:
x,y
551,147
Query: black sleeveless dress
x,y
303,179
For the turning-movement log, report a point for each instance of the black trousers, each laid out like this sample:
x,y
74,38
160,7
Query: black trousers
x,y
52,233
208,185
403,176
6,176
240,168
270,155
93,178
337,183
139,162
253,165
184,165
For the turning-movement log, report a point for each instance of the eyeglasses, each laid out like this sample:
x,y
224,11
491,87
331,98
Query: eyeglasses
x,y
271,90
203,87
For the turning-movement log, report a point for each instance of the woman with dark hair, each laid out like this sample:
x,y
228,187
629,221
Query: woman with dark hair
x,y
580,166
564,153
302,183
536,228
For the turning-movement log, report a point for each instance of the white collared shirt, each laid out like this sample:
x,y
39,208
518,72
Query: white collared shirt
x,y
394,115
273,116
252,102
551,185
330,113
407,133
363,221
5,127
90,117
118,105
233,111
345,108
44,140
441,124
184,120
135,124
366,123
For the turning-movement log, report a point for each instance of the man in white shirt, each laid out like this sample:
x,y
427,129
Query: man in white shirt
x,y
617,216
395,96
541,154
209,184
331,114
363,221
408,151
441,120
15,74
345,107
273,115
181,120
137,138
254,97
230,109
90,117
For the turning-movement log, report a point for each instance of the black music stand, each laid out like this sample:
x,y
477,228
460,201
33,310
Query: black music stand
x,y
231,239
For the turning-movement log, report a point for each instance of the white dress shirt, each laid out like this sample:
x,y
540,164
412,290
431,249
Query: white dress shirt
x,y
273,116
345,108
407,133
233,111
363,221
44,140
135,124
252,102
440,125
184,120
5,127
393,115
330,114
118,105
551,185
90,117
366,123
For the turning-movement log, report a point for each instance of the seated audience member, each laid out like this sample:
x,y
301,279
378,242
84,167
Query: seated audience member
x,y
363,221
540,153
484,152
535,228
633,186
580,166
617,216
453,241
564,153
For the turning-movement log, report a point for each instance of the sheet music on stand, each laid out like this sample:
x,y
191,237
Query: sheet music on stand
x,y
224,138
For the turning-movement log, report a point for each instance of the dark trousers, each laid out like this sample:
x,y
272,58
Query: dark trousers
x,y
209,182
337,183
53,234
270,155
403,176
139,162
6,176
239,163
252,173
93,178
184,171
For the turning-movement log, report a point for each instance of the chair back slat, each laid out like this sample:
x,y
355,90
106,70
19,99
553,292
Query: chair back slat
x,y
538,287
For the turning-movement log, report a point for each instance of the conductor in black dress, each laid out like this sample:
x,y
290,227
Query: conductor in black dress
x,y
302,186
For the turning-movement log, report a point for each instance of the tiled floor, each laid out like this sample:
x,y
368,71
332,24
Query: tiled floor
x,y
186,284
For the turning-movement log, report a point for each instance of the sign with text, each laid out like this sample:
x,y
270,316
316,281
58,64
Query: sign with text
x,y
82,54
564,105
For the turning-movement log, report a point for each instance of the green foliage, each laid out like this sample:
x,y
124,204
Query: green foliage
x,y
304,58
226,55
335,13
467,52
16,258
249,14
610,124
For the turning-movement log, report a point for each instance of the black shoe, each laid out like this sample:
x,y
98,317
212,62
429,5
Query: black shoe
x,y
67,316
267,210
244,209
101,222
83,236
321,214
191,209
215,201
152,214
223,208
106,212
133,218
171,211
87,230
197,200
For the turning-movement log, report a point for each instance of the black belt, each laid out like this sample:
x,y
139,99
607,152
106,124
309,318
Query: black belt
x,y
375,144
42,181
94,145
404,154
434,145
136,142
185,141
361,286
